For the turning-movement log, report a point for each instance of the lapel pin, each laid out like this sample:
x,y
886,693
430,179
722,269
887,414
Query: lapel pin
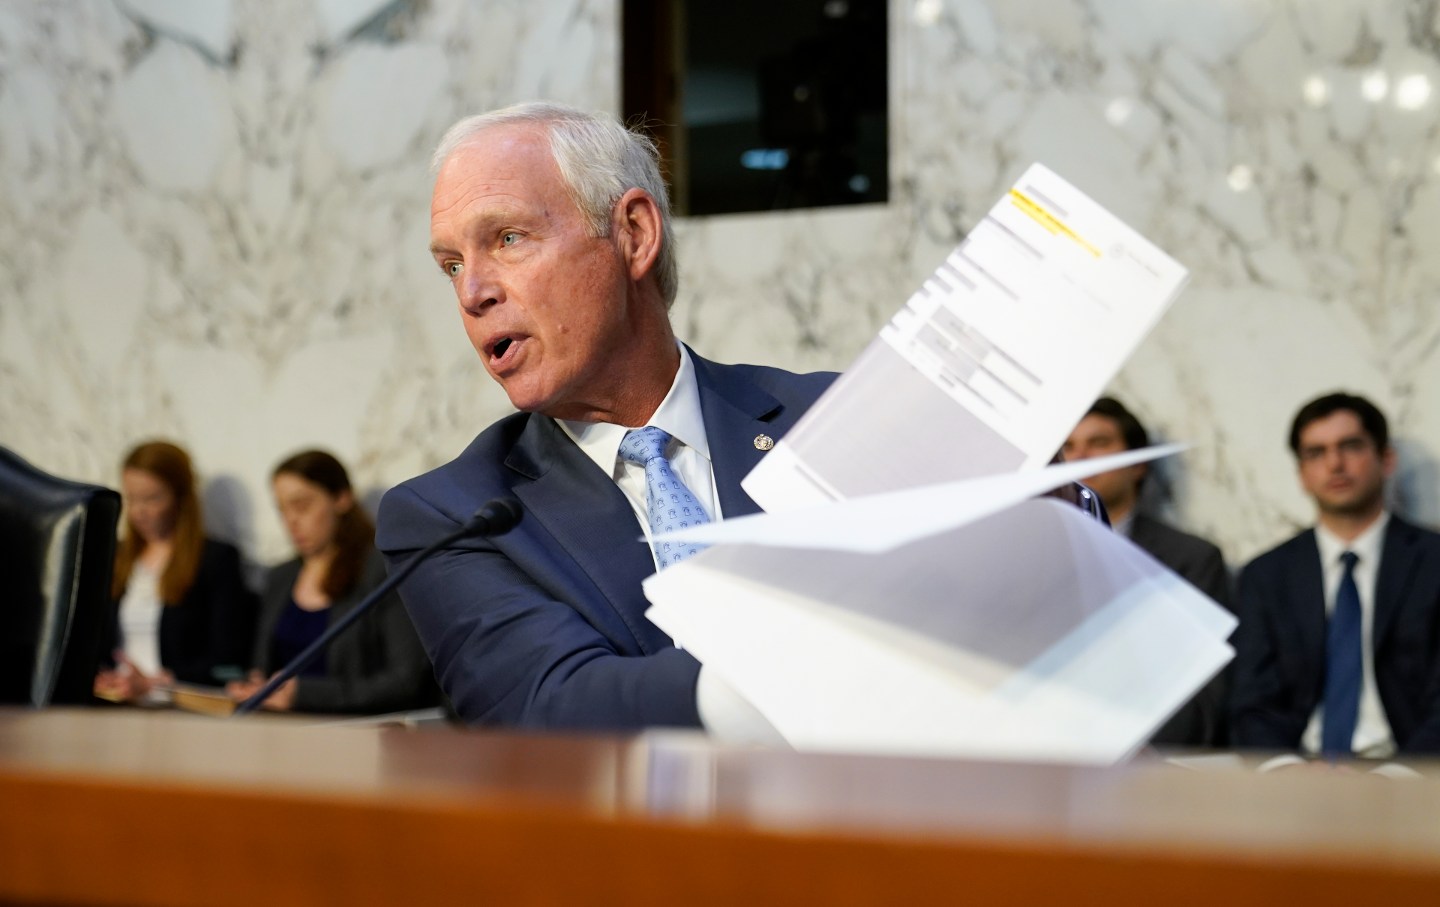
x,y
764,442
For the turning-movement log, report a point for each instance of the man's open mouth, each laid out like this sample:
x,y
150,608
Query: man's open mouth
x,y
503,352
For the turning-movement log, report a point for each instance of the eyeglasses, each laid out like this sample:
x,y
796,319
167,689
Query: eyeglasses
x,y
1348,447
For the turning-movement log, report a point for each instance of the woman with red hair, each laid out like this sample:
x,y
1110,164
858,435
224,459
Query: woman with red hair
x,y
181,607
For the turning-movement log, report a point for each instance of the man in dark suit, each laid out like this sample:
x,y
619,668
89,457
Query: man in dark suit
x,y
1110,428
554,229
1338,648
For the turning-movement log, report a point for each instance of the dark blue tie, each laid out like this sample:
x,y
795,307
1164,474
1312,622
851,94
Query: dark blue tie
x,y
669,504
1343,660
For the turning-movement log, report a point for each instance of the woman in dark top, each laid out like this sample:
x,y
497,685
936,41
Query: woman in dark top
x,y
181,608
375,666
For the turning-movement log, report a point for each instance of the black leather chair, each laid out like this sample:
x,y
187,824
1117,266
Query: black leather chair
x,y
57,554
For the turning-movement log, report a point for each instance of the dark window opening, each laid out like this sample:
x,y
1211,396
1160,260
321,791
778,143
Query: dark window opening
x,y
760,106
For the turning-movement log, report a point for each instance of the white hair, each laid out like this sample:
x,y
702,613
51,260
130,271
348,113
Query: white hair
x,y
599,161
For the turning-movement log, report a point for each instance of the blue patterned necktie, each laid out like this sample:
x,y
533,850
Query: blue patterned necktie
x,y
669,504
1343,660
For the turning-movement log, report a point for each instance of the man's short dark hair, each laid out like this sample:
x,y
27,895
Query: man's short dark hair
x,y
1371,419
1130,428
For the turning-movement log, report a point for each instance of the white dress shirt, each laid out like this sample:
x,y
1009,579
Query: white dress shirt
x,y
1373,738
725,714
680,417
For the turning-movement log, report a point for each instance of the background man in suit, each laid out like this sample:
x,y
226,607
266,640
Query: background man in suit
x,y
1338,648
1110,428
553,227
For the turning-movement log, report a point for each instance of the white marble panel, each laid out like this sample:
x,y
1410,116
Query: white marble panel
x,y
338,19
206,26
213,222
214,227
378,100
170,113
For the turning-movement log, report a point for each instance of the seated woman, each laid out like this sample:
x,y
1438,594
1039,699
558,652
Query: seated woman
x,y
378,664
181,607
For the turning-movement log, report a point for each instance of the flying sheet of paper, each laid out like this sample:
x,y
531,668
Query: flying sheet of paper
x,y
880,522
1035,633
991,362
904,594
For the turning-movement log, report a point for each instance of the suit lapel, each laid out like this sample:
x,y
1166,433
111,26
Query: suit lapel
x,y
1398,564
736,413
589,520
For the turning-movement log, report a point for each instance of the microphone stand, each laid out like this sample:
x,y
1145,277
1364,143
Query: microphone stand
x,y
495,518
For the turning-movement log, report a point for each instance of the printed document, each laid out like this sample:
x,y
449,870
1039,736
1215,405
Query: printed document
x,y
991,362
906,592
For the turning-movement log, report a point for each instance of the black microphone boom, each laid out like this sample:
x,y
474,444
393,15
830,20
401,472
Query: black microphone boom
x,y
495,518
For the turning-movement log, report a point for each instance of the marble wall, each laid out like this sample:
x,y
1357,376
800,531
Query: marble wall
x,y
213,222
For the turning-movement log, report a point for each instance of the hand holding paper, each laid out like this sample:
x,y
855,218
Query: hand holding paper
x,y
905,593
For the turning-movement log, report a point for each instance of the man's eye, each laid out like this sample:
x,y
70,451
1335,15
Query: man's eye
x,y
510,238
452,268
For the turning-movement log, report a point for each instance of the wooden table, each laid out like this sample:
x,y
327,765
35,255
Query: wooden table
x,y
121,807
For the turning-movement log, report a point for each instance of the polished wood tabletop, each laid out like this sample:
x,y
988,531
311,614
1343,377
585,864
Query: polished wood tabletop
x,y
115,806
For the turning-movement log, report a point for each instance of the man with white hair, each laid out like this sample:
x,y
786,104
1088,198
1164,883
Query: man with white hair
x,y
553,227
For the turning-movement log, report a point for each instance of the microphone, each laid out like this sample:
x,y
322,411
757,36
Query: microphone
x,y
497,517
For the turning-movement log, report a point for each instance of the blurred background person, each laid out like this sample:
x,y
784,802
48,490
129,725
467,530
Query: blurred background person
x,y
1110,428
181,607
378,664
1338,649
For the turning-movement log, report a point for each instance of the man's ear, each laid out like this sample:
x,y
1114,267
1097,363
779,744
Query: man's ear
x,y
1389,460
638,231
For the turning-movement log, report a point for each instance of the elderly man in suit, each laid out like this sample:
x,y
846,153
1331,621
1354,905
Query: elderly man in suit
x,y
1110,428
554,230
1338,648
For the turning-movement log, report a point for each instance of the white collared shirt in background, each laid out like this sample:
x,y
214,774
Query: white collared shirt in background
x,y
1373,738
140,609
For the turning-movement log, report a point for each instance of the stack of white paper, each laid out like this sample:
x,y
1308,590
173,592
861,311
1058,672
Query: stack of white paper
x,y
995,631
905,592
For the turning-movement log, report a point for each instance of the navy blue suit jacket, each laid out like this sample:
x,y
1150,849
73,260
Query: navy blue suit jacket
x,y
1279,670
544,626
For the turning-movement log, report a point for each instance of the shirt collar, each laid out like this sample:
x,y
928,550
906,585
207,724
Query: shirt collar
x,y
1367,545
679,415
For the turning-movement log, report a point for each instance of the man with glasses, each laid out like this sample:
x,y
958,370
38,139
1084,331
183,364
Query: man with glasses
x,y
1338,648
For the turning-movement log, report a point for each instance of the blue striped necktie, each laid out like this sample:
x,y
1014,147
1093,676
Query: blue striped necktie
x,y
669,504
1343,662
